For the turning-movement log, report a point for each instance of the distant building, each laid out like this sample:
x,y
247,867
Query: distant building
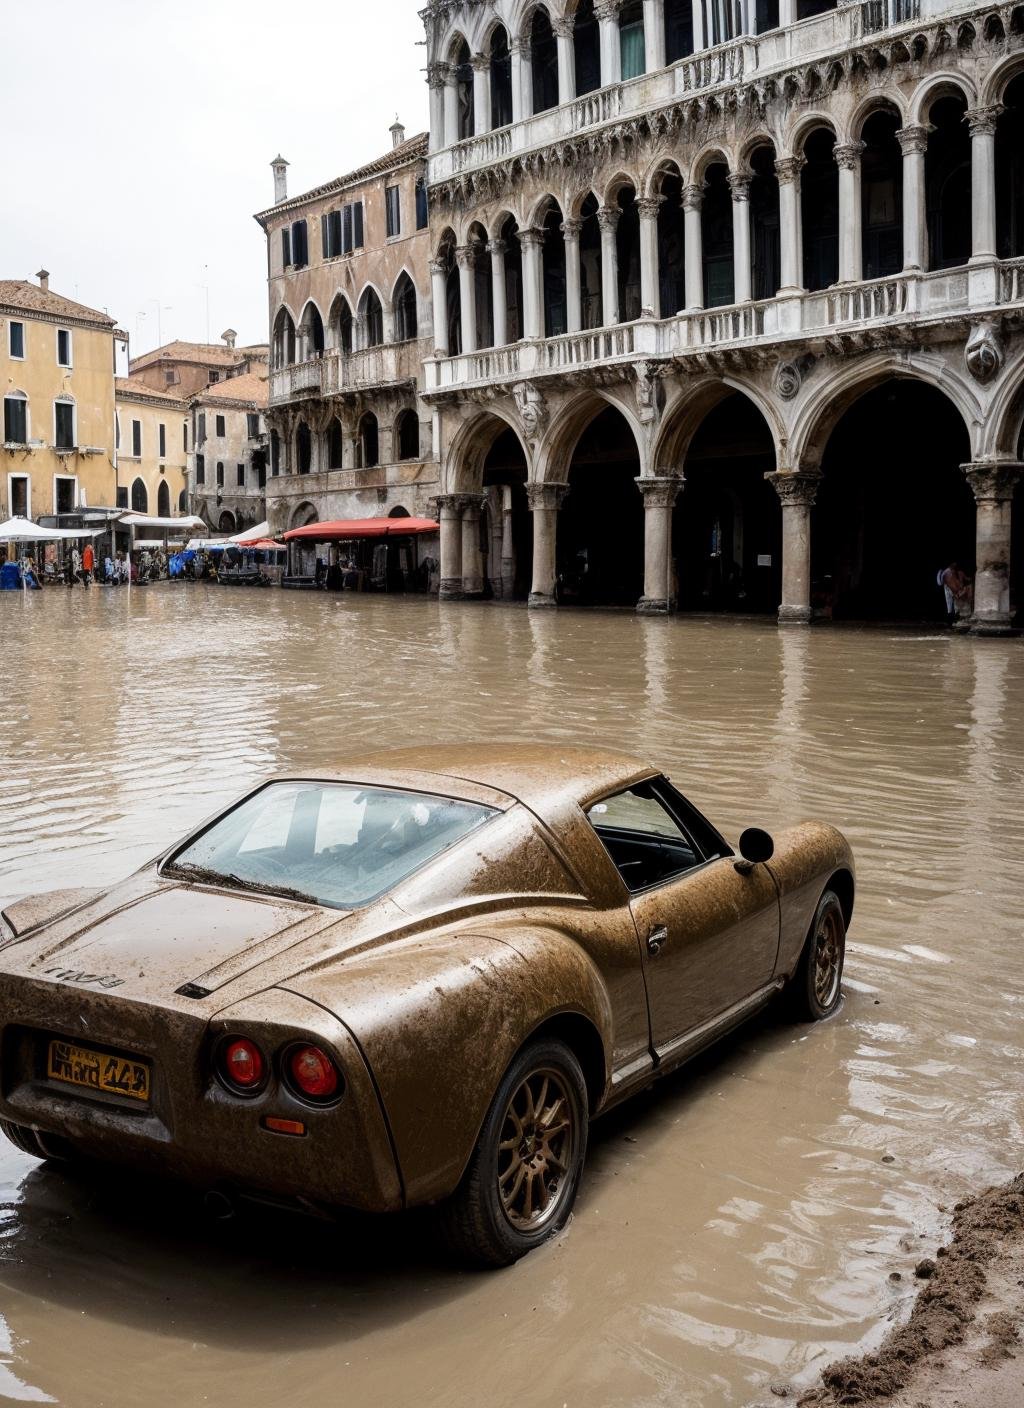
x,y
228,462
152,447
350,328
184,368
57,375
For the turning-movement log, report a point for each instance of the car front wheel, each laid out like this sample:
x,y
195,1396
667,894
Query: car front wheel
x,y
818,982
522,1179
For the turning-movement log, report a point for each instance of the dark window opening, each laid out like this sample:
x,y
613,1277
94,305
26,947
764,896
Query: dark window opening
x,y
17,339
19,496
163,500
240,471
15,420
678,29
631,39
586,46
882,196
368,441
422,205
405,309
948,185
1010,177
765,242
137,438
819,203
140,497
162,437
716,224
63,347
304,447
393,210
544,60
408,436
220,427
501,79
65,425
220,474
335,451
300,245
200,469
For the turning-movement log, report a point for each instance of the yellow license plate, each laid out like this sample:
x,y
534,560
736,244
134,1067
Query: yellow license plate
x,y
95,1070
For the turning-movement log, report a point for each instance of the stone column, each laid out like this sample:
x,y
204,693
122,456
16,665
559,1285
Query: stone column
x,y
532,242
439,299
608,219
699,40
545,501
796,489
573,311
847,158
739,187
914,143
472,575
659,497
451,107
982,122
436,74
787,13
499,299
563,29
650,290
788,170
522,92
993,483
450,506
693,199
481,93
654,35
508,549
465,258
607,14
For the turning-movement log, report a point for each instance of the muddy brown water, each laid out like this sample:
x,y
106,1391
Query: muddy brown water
x,y
738,1223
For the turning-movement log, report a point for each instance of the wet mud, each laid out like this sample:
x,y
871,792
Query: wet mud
x,y
740,1224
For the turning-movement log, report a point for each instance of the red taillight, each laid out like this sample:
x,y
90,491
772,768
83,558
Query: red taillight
x,y
242,1063
312,1072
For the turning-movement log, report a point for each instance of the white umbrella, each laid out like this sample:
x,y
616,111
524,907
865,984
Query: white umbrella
x,y
24,530
252,535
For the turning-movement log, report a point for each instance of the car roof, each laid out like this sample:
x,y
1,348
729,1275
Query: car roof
x,y
543,776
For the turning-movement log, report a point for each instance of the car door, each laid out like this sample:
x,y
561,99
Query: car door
x,y
709,932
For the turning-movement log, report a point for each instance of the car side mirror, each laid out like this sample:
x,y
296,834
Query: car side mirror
x,y
756,846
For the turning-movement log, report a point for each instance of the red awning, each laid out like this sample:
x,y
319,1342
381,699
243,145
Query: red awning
x,y
342,530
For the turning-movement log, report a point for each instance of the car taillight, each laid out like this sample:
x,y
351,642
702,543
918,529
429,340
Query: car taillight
x,y
242,1063
312,1072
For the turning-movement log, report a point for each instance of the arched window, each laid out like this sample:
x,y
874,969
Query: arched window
x,y
163,500
627,245
631,39
501,78
304,447
1010,173
716,227
284,339
678,29
367,447
544,61
275,452
16,418
371,317
586,47
819,201
407,436
183,501
463,76
334,445
140,497
312,330
341,324
404,305
226,523
881,182
948,184
765,243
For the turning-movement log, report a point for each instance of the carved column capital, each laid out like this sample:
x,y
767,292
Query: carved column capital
x,y
468,503
788,168
607,9
497,247
448,505
520,46
739,185
480,63
982,121
545,496
465,256
608,218
563,28
693,197
439,266
993,481
796,488
660,491
648,206
847,155
571,229
530,238
437,75
914,140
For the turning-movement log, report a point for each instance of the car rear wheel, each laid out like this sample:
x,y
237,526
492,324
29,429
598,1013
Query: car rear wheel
x,y
818,982
22,1138
521,1183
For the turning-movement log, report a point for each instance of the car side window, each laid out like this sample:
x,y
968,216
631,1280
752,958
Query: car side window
x,y
645,841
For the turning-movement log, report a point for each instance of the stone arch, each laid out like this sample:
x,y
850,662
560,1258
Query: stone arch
x,y
711,155
889,101
226,522
283,338
304,514
405,308
1001,75
750,144
940,85
341,322
556,449
801,127
684,414
464,460
163,500
311,328
1004,424
139,496
665,166
370,316
498,222
621,181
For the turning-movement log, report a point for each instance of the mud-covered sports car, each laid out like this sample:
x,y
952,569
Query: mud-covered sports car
x,y
412,981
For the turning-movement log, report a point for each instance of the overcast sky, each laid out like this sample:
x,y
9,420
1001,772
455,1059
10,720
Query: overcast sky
x,y
141,134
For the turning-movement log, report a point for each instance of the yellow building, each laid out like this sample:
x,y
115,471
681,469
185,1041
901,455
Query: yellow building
x,y
151,448
57,379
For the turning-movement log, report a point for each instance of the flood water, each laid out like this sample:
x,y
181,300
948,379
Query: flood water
x,y
737,1224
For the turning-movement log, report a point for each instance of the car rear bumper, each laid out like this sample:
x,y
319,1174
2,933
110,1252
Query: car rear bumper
x,y
193,1128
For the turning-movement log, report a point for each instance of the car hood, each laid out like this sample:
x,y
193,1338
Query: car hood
x,y
152,939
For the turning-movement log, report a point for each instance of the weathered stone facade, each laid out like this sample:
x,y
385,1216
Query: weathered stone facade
x,y
228,465
792,259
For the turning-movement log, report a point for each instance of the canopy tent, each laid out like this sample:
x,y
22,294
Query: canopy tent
x,y
145,520
343,530
24,530
209,544
253,535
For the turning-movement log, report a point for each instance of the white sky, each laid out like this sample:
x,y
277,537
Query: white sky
x,y
139,136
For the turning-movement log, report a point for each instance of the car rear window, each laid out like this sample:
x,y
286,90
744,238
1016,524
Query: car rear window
x,y
336,844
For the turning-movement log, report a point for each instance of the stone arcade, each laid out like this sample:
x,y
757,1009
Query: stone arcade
x,y
733,327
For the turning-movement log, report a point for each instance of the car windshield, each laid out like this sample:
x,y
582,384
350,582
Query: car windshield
x,y
336,844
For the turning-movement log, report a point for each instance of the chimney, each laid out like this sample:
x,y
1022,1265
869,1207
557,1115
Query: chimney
x,y
397,133
229,337
280,169
44,280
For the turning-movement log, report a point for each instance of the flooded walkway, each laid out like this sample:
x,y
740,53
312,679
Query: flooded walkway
x,y
738,1224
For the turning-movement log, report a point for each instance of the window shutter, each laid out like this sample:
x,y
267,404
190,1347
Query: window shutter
x,y
347,230
286,247
357,225
335,223
325,238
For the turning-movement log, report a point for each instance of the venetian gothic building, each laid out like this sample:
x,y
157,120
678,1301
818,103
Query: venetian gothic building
x,y
727,302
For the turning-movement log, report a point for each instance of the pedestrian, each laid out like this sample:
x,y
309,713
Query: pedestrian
x,y
76,567
959,592
88,564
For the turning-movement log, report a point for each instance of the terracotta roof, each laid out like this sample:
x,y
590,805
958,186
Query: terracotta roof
x,y
19,293
130,386
397,156
214,354
251,388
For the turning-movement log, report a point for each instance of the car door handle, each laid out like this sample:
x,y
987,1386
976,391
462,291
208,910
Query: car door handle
x,y
655,939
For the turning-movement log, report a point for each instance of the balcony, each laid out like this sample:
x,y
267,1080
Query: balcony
x,y
335,373
740,60
845,310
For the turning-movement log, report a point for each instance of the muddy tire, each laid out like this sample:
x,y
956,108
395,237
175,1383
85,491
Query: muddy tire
x,y
817,985
522,1179
21,1138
